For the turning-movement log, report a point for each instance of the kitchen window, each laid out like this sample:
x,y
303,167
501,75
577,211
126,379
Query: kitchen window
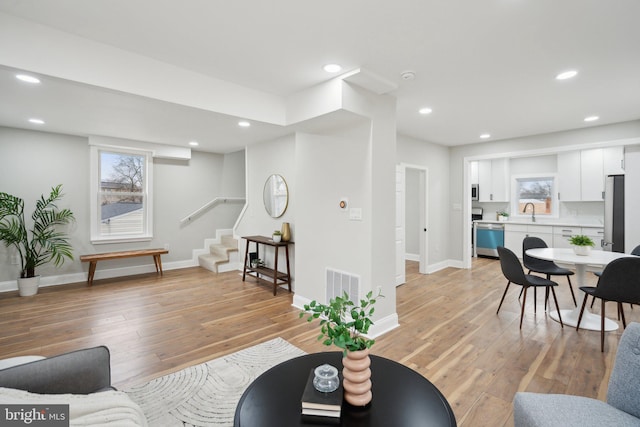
x,y
120,195
534,193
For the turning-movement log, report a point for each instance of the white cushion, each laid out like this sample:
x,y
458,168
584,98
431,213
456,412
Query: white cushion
x,y
108,408
13,361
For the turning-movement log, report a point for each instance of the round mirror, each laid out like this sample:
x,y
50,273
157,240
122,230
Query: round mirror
x,y
276,196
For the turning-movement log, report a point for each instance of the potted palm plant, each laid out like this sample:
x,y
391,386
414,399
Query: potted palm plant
x,y
40,244
345,325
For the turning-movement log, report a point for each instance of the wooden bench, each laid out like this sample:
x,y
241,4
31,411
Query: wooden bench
x,y
94,258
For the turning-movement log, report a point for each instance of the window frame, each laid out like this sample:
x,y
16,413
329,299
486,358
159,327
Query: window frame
x,y
516,213
95,194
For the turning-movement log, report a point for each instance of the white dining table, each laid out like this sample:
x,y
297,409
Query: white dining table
x,y
568,256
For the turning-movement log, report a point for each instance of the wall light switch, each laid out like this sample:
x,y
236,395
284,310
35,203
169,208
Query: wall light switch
x,y
355,214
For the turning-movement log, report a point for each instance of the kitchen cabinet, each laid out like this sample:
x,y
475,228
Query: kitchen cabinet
x,y
569,181
514,234
474,172
592,175
596,234
582,174
561,235
493,180
613,161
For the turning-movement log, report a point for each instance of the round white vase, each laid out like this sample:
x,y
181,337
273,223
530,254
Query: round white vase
x,y
582,250
28,286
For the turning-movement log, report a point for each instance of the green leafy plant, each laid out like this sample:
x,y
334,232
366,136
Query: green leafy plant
x,y
43,242
277,233
503,213
581,240
342,322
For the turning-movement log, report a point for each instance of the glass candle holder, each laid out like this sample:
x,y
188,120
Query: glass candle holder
x,y
326,378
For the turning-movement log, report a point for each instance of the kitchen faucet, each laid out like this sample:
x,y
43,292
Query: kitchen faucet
x,y
533,212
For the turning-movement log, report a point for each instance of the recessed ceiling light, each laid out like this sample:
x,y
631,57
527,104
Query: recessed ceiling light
x,y
193,143
425,110
332,68
485,136
591,118
566,75
27,78
36,121
244,124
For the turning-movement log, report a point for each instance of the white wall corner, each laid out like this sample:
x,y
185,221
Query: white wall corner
x,y
370,81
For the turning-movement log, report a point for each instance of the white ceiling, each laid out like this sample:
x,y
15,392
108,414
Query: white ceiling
x,y
481,65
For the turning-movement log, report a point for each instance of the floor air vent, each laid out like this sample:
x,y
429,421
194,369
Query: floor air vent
x,y
339,282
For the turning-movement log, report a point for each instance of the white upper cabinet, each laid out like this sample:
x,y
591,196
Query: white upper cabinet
x,y
613,161
493,180
592,175
582,174
569,180
474,172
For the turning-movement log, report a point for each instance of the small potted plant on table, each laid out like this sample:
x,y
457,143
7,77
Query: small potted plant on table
x,y
581,244
345,324
277,236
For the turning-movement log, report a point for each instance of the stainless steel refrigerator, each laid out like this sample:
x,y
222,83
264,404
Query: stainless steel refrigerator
x,y
614,214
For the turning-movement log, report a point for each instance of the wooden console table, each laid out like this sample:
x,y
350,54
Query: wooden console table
x,y
276,277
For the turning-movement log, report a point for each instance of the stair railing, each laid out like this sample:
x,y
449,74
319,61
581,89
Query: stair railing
x,y
209,205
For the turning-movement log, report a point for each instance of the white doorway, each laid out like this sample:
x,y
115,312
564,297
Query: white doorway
x,y
412,199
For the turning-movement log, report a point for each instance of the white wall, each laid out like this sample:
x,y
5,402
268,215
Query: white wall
x,y
32,162
356,161
436,159
263,160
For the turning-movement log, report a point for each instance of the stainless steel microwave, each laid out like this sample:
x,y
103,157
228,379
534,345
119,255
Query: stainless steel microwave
x,y
474,192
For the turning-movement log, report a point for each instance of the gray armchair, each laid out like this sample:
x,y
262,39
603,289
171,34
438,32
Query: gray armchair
x,y
78,372
621,409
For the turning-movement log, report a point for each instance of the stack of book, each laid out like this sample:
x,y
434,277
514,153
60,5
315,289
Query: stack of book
x,y
318,407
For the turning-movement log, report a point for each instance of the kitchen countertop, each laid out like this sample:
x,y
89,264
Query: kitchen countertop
x,y
558,223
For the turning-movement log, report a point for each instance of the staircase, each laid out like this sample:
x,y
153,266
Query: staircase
x,y
220,254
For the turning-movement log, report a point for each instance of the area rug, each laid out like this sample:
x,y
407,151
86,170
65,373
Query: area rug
x,y
207,394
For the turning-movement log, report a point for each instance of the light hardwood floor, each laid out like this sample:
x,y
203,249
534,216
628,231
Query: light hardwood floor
x,y
449,332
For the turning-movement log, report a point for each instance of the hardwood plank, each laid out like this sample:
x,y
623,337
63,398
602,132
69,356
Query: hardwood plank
x,y
449,332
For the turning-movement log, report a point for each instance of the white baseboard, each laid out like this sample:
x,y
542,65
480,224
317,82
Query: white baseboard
x,y
63,279
412,257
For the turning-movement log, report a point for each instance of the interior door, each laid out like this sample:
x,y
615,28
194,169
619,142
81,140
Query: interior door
x,y
400,227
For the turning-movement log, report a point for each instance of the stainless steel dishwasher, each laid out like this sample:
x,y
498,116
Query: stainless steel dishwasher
x,y
489,236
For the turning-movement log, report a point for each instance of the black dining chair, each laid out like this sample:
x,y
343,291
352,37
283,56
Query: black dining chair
x,y
620,283
636,252
514,273
542,266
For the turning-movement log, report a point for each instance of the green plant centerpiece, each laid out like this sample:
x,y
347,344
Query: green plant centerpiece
x,y
581,240
345,325
342,322
581,244
43,242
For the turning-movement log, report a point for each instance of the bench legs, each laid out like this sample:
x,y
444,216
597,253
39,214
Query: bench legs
x,y
92,268
158,262
92,271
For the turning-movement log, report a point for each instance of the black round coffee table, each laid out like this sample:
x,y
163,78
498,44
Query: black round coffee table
x,y
401,396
